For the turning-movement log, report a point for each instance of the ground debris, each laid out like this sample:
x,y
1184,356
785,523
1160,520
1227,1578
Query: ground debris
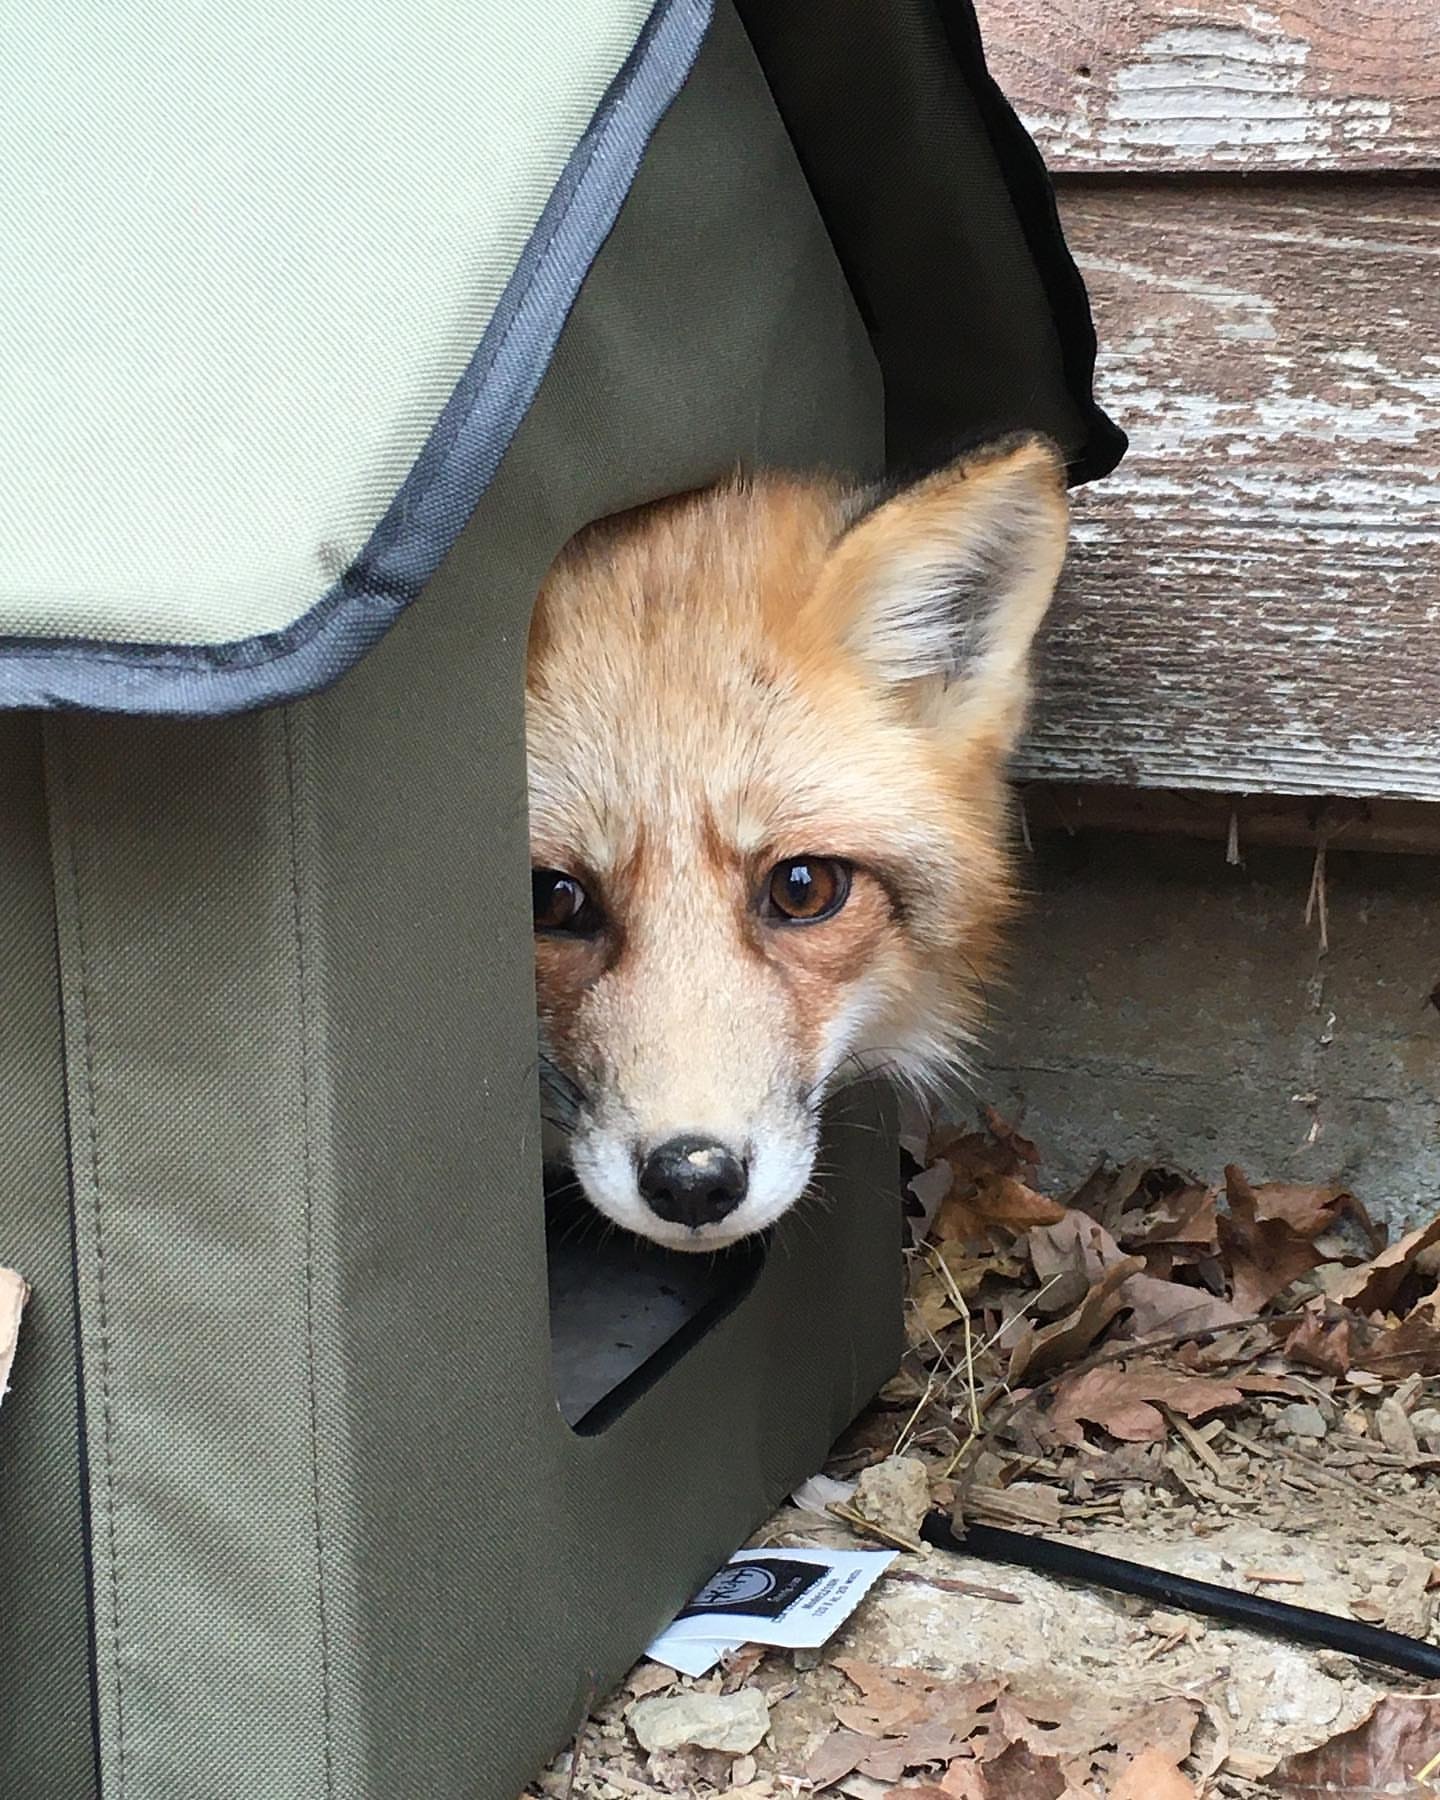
x,y
736,1722
1231,1380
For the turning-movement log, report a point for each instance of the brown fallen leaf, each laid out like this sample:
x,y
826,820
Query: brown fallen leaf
x,y
1180,1230
1125,1398
1033,1352
1410,1348
1019,1773
964,1780
1166,1308
1167,1726
1381,1755
894,1700
1319,1343
1001,1200
1310,1211
1152,1776
1373,1286
649,1678
1075,1245
1266,1250
1017,1721
835,1757
926,1744
1019,1146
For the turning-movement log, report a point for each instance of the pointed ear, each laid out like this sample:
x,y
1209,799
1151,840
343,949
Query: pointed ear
x,y
945,583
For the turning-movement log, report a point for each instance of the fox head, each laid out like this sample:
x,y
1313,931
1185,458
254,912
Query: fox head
x,y
767,728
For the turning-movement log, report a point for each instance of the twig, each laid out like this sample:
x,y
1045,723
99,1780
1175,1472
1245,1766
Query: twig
x,y
868,1528
1121,1353
957,1300
1316,903
1198,1447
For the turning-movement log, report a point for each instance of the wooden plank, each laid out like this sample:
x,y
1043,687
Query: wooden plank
x,y
1132,86
1253,598
1396,827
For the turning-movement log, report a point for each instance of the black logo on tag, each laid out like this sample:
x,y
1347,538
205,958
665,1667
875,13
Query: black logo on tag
x,y
761,1589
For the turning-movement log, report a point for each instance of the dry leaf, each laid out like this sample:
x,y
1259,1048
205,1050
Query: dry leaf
x,y
1310,1211
1119,1397
1024,1152
965,1780
1411,1348
970,1213
1179,1230
1032,1351
1166,1308
891,1757
1380,1756
1373,1286
1152,1776
1321,1343
837,1756
1266,1251
1020,1773
649,1678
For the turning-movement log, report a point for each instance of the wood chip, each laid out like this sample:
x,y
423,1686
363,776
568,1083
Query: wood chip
x,y
1024,1504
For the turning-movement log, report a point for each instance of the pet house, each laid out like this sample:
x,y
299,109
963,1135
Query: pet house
x,y
323,329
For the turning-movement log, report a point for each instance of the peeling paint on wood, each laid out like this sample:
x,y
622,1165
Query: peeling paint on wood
x,y
1135,86
1253,599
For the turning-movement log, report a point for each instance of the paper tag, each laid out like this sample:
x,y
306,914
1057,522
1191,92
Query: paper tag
x,y
13,1295
795,1599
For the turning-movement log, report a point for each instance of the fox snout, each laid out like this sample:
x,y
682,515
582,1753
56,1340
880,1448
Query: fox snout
x,y
692,1182
767,728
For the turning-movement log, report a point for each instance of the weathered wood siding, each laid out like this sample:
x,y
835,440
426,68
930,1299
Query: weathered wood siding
x,y
1253,600
1129,86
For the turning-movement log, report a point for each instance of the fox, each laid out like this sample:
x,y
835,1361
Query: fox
x,y
768,727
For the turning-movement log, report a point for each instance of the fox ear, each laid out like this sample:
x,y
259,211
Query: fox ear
x,y
947,582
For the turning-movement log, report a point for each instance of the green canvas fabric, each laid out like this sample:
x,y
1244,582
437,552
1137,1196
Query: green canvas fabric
x,y
286,1405
46,1734
341,1543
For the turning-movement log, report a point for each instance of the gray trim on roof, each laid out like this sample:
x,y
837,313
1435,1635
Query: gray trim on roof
x,y
452,472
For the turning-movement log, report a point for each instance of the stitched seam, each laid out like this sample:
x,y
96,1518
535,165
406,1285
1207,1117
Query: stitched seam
x,y
107,1414
322,1604
207,659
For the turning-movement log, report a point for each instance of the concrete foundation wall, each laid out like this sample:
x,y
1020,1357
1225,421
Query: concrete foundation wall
x,y
1162,1002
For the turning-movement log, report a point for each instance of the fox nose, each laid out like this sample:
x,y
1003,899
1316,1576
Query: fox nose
x,y
692,1181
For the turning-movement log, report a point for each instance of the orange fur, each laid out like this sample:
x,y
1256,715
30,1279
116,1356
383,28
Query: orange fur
x,y
771,669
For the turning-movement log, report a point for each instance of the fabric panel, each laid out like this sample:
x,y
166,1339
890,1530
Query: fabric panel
x,y
47,1737
942,216
344,1544
249,254
679,359
190,1115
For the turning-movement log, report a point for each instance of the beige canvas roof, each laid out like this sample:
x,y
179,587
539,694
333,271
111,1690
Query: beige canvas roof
x,y
249,254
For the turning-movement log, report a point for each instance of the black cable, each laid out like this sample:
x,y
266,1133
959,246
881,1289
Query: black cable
x,y
1254,1611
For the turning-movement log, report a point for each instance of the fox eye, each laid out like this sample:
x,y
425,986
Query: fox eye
x,y
560,904
805,889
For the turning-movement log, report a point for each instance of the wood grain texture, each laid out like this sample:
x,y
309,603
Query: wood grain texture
x,y
1240,822
1253,598
1133,86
